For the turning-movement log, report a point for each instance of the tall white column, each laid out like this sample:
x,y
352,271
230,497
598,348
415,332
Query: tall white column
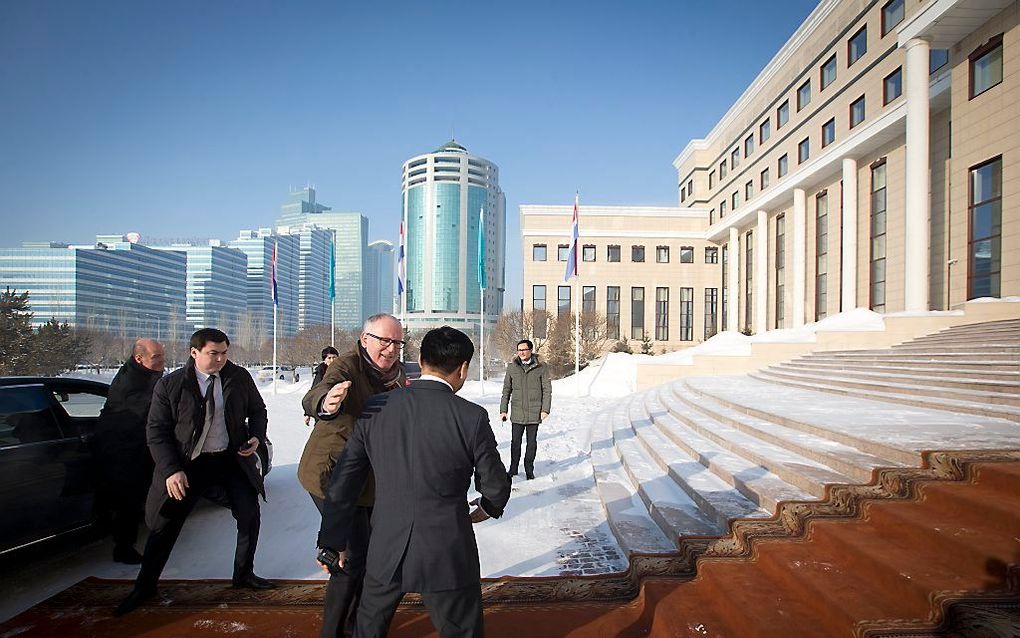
x,y
761,280
799,255
848,232
733,281
916,210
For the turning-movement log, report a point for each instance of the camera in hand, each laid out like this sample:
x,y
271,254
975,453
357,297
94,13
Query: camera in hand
x,y
331,559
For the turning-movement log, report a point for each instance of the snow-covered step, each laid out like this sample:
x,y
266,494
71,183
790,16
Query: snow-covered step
x,y
811,443
626,513
912,387
951,405
977,373
962,348
717,498
893,431
949,379
962,364
753,481
672,508
998,336
931,355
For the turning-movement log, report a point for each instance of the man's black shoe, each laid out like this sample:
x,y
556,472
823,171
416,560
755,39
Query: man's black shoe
x,y
127,555
133,601
511,474
530,476
251,581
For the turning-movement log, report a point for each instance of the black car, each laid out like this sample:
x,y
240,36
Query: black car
x,y
47,468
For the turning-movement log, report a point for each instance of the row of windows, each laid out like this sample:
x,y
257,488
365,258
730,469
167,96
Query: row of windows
x,y
637,253
637,310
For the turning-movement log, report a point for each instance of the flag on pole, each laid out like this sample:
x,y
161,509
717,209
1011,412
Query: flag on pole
x,y
276,298
401,275
482,279
332,266
572,255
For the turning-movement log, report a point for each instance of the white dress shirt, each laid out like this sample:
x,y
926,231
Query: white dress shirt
x,y
215,437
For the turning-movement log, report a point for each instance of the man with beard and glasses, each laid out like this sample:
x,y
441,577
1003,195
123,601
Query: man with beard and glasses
x,y
373,366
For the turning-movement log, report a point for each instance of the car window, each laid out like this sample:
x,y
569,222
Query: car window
x,y
78,403
25,416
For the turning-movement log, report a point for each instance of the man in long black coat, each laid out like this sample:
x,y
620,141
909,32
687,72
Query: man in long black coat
x,y
120,438
206,429
423,444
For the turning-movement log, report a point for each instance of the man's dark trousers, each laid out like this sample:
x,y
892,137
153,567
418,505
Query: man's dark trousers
x,y
456,613
208,470
343,593
529,452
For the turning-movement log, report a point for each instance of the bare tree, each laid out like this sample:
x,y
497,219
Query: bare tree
x,y
508,331
594,336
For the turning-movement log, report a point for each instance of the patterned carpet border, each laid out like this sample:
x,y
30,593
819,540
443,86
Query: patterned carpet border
x,y
790,522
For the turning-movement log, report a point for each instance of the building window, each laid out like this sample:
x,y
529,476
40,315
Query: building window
x,y
857,46
783,165
735,199
690,187
687,254
588,252
722,209
613,253
984,245
804,95
538,252
587,300
538,305
782,117
662,314
711,217
613,311
780,310
748,190
637,253
711,180
828,132
748,278
892,86
986,66
878,225
711,309
734,158
637,313
662,254
563,300
764,131
937,58
828,73
687,314
821,253
683,194
804,150
712,255
749,145
857,112
764,181
724,269
892,14
722,169
562,252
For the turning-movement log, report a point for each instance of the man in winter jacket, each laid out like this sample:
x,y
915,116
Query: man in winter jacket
x,y
120,441
329,355
373,366
527,392
206,429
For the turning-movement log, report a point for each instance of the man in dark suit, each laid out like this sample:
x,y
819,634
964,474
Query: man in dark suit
x,y
206,429
423,444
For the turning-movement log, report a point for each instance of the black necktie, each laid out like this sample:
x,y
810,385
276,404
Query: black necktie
x,y
210,400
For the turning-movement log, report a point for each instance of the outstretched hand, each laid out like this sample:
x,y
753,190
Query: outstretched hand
x,y
335,397
477,513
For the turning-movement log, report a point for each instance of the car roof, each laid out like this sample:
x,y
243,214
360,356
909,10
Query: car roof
x,y
61,381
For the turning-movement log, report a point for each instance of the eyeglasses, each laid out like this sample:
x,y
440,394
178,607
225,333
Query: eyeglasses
x,y
523,349
386,342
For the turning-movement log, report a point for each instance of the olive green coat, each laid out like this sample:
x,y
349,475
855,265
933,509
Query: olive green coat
x,y
329,436
527,391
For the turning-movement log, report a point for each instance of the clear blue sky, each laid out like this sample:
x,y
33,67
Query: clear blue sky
x,y
193,118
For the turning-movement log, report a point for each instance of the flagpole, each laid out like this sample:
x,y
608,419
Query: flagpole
x,y
332,290
577,295
275,371
481,287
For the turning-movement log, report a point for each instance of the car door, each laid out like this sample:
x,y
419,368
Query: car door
x,y
33,472
78,404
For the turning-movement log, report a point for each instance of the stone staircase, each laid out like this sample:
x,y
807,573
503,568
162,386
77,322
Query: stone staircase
x,y
684,459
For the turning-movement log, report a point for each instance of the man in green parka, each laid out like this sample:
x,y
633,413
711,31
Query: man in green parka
x,y
527,393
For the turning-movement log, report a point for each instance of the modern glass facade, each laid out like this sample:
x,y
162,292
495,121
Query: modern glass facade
x,y
258,246
313,274
379,278
121,287
216,287
445,193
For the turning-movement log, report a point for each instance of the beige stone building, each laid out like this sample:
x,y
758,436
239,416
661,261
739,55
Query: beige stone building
x,y
874,162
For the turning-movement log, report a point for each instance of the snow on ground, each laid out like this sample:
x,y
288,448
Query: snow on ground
x,y
553,525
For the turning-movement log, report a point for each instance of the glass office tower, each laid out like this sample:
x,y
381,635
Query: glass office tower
x,y
217,283
258,245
